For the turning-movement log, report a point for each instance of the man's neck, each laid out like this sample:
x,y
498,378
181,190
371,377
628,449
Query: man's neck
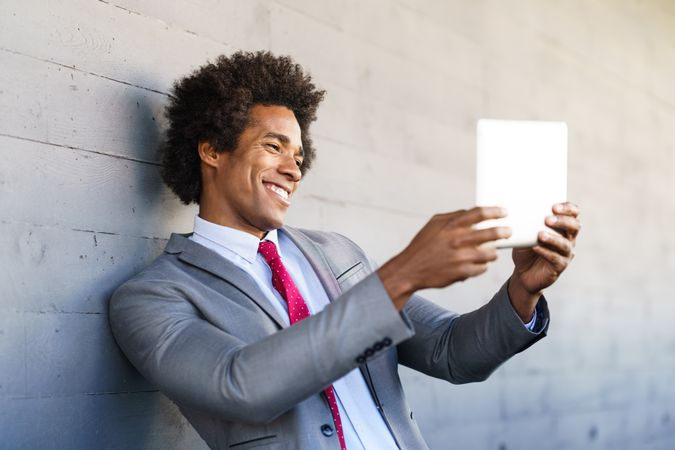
x,y
226,221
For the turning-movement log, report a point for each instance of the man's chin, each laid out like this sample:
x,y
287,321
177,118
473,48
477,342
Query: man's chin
x,y
272,224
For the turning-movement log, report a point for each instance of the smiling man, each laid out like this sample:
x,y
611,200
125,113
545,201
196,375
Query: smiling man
x,y
251,188
269,336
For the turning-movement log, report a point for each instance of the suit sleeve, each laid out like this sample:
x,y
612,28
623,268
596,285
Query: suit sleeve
x,y
198,364
468,347
463,348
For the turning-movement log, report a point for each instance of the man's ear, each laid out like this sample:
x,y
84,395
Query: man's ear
x,y
208,154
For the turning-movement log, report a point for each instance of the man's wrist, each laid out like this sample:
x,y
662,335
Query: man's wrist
x,y
398,286
523,301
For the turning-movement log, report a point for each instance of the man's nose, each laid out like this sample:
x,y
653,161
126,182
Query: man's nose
x,y
289,167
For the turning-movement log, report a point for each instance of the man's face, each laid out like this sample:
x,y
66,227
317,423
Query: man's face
x,y
254,184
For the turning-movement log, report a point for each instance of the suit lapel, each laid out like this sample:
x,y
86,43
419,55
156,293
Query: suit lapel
x,y
200,256
317,260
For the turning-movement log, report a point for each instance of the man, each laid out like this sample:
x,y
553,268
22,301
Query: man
x,y
273,337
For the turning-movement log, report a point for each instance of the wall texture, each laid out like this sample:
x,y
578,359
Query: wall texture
x,y
82,208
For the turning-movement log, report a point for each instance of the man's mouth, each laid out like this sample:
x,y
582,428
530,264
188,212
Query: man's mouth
x,y
280,192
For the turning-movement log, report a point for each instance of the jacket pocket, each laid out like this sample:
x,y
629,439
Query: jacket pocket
x,y
350,272
254,442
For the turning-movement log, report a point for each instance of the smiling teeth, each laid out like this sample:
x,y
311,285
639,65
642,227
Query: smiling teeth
x,y
282,193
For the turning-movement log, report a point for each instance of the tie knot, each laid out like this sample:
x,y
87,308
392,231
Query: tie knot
x,y
268,250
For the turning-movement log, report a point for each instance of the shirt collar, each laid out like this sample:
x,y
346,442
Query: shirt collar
x,y
239,242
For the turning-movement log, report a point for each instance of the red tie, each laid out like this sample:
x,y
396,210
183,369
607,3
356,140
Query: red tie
x,y
297,310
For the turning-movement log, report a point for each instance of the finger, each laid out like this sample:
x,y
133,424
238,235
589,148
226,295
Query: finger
x,y
485,255
479,214
473,255
472,270
556,243
558,262
447,216
566,208
475,237
436,224
566,225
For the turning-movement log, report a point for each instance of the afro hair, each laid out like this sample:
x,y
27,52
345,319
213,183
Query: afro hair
x,y
212,104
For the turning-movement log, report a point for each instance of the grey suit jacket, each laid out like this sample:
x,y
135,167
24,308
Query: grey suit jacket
x,y
200,329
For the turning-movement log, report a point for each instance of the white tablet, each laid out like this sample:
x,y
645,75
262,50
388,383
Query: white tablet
x,y
521,166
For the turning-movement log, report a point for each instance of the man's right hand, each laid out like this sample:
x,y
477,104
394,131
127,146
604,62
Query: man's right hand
x,y
446,250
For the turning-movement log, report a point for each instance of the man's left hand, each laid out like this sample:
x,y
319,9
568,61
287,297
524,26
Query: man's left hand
x,y
539,267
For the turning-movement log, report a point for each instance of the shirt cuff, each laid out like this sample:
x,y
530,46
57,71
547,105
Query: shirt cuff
x,y
531,324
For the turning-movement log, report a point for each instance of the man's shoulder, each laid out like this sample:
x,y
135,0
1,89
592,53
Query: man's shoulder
x,y
166,267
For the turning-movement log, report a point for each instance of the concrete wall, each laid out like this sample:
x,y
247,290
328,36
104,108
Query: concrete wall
x,y
82,87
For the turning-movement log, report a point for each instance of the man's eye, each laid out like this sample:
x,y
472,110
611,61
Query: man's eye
x,y
274,147
298,162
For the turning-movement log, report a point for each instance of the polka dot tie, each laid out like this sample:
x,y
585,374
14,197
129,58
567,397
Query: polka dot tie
x,y
297,311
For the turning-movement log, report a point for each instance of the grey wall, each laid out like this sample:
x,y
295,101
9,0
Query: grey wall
x,y
82,86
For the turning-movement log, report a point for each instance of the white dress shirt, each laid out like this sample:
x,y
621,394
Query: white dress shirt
x,y
362,423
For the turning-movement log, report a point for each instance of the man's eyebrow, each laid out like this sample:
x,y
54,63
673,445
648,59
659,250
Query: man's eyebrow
x,y
284,140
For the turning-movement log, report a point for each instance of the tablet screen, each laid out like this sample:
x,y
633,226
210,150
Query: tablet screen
x,y
521,166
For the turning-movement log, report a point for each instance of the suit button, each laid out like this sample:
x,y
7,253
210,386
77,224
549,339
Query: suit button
x,y
360,359
386,342
327,430
369,353
378,346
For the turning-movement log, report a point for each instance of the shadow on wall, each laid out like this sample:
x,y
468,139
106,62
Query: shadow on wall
x,y
66,383
141,416
127,411
154,206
